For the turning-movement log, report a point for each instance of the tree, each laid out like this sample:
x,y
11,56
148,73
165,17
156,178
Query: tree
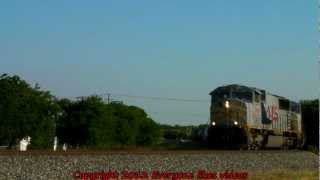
x,y
92,123
26,111
86,122
149,133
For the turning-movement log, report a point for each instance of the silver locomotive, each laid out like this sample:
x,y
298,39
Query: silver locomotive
x,y
252,118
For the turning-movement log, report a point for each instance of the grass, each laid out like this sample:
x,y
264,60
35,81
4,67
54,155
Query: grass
x,y
285,174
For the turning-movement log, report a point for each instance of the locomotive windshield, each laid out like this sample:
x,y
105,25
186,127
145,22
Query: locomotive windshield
x,y
219,95
295,107
243,95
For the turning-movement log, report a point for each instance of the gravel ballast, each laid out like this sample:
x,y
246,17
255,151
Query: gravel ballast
x,y
63,166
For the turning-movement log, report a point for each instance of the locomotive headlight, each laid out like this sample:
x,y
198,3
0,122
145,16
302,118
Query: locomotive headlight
x,y
213,123
235,122
227,104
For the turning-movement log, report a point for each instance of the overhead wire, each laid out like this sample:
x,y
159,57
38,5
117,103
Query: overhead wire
x,y
158,98
155,98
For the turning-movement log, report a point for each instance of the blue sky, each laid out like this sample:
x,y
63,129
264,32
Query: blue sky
x,y
181,49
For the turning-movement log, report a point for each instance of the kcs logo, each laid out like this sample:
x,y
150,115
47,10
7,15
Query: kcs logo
x,y
273,112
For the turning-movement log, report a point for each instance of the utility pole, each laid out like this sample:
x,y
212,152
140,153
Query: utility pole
x,y
108,99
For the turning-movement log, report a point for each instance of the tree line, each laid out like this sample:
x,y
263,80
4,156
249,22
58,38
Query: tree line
x,y
87,122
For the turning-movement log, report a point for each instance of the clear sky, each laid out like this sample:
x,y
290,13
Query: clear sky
x,y
168,48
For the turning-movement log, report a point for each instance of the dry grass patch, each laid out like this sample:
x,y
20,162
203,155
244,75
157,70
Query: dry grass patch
x,y
286,174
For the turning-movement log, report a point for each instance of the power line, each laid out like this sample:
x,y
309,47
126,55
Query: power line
x,y
108,98
200,115
158,98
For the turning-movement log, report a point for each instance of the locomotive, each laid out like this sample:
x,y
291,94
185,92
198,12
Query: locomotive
x,y
251,118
